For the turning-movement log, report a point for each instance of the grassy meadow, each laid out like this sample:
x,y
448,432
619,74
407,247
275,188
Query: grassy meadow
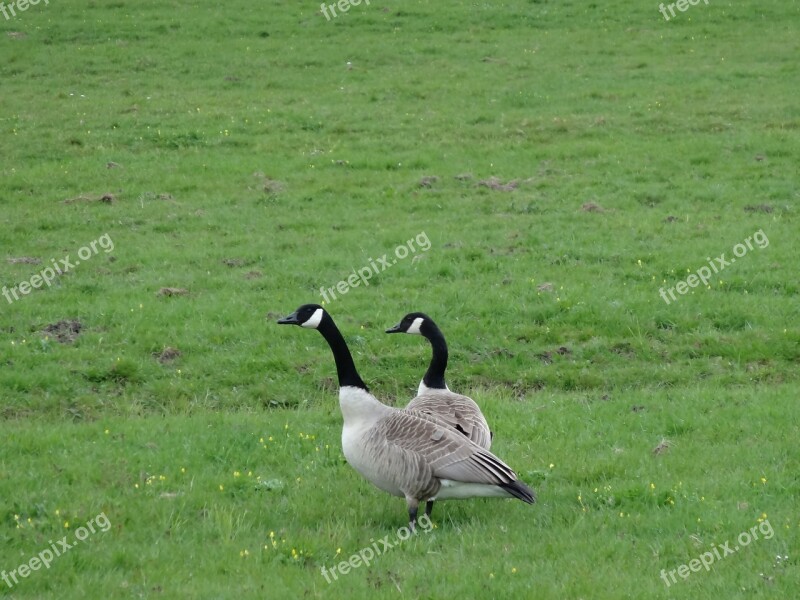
x,y
569,163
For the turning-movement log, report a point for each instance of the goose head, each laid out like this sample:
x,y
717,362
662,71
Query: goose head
x,y
308,315
313,316
415,323
418,323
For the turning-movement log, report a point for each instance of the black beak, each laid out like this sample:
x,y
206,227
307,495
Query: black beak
x,y
395,329
290,320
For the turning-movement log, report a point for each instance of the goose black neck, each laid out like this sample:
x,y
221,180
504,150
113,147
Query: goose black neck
x,y
345,367
434,376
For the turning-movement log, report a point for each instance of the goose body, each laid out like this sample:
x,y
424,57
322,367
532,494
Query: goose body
x,y
459,412
406,452
434,397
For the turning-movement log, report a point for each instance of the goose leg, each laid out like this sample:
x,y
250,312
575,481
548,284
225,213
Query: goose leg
x,y
413,507
428,508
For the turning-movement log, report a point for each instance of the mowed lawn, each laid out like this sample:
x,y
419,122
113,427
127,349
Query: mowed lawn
x,y
603,209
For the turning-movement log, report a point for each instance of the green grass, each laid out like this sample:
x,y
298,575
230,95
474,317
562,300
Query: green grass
x,y
250,167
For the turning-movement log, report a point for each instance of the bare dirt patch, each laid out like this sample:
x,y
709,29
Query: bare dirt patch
x,y
428,181
234,262
172,291
663,446
167,355
65,331
494,183
270,186
758,208
106,198
24,260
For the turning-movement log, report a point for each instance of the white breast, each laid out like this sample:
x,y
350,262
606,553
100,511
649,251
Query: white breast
x,y
360,458
361,411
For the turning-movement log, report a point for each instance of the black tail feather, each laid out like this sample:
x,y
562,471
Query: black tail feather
x,y
519,490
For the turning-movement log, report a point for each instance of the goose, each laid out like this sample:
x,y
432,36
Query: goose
x,y
404,452
434,397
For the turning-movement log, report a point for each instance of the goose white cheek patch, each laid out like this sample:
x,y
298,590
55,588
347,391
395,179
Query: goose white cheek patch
x,y
314,321
415,326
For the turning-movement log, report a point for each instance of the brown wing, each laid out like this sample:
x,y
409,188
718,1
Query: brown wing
x,y
461,413
448,454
